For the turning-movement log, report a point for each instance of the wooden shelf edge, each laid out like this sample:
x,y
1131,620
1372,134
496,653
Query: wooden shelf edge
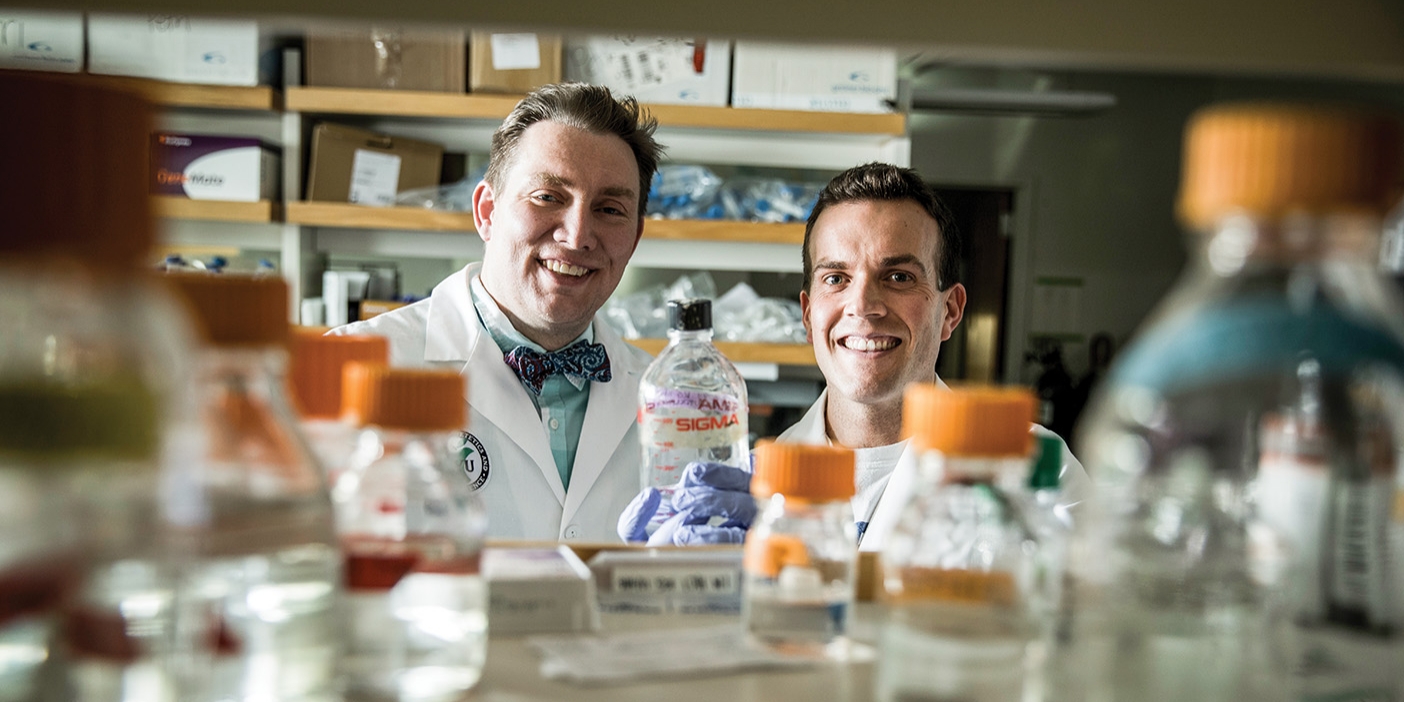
x,y
410,103
400,103
219,97
892,124
747,352
171,207
346,215
724,230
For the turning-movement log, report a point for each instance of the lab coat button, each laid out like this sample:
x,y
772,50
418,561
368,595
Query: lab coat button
x,y
572,532
555,424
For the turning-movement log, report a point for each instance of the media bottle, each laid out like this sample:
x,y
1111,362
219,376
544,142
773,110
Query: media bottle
x,y
93,382
965,576
801,554
315,385
1243,537
270,572
692,405
412,533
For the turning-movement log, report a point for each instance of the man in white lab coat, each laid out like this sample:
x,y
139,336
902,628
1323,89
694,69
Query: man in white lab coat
x,y
551,444
881,292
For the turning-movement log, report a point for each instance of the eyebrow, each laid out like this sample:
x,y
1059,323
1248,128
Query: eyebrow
x,y
559,181
889,262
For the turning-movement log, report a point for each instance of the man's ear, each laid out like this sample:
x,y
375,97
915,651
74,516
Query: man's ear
x,y
953,310
804,316
484,203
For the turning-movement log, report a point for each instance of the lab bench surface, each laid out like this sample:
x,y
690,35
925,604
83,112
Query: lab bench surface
x,y
513,671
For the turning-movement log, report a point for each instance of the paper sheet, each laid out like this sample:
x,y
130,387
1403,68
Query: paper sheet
x,y
375,178
618,658
512,52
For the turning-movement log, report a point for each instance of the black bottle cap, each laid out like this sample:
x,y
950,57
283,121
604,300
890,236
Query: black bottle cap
x,y
689,315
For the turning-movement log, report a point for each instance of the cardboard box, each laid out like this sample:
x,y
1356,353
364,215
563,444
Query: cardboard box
x,y
176,48
653,69
41,41
354,165
512,63
388,59
204,167
822,78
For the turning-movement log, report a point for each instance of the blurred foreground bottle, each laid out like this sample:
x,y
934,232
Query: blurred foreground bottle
x,y
1245,537
964,573
93,378
271,568
317,363
801,555
412,532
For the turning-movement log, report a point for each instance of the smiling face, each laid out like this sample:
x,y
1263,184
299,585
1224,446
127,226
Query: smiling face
x,y
873,311
560,230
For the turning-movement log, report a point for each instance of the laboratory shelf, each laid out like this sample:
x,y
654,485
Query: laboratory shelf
x,y
747,352
408,103
170,207
214,97
348,216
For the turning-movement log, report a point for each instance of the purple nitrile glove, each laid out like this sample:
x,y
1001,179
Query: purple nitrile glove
x,y
713,505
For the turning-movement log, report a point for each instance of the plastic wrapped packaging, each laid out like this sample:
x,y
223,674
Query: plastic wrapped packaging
x,y
449,197
684,192
743,315
768,200
643,314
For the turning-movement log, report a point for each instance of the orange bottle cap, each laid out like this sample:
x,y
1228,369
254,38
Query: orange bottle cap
x,y
73,160
975,421
1270,160
803,471
236,310
315,371
403,398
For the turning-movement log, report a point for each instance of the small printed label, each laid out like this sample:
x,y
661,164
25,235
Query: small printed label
x,y
954,585
375,178
686,581
515,52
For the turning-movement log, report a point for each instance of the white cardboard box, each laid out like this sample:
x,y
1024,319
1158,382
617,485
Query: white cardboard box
x,y
202,167
538,590
41,41
653,69
176,48
821,78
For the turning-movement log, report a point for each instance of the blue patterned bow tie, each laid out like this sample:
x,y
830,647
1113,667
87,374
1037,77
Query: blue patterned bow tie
x,y
581,359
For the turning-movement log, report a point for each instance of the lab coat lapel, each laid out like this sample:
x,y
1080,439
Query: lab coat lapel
x,y
493,389
611,411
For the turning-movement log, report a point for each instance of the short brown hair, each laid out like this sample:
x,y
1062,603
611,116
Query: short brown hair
x,y
886,182
589,107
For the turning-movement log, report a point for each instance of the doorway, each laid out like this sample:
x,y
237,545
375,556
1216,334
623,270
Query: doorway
x,y
975,351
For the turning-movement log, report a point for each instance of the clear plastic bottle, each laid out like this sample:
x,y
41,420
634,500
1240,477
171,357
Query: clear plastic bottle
x,y
271,567
315,385
692,405
965,577
801,554
93,379
1257,416
412,532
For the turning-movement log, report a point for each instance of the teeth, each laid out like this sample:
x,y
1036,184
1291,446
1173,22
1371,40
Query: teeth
x,y
566,268
860,344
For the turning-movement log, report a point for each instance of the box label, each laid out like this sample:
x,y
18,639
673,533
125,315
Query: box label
x,y
375,178
681,581
41,41
515,52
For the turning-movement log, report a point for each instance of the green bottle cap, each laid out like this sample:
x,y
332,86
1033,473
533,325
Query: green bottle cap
x,y
1049,464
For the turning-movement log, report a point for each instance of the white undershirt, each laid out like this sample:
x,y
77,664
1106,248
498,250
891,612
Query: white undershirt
x,y
871,470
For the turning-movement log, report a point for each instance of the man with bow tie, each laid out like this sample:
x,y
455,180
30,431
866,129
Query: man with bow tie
x,y
552,444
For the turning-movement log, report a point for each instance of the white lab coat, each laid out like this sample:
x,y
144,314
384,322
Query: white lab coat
x,y
812,428
523,492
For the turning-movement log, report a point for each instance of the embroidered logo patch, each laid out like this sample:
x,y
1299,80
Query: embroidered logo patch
x,y
475,461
